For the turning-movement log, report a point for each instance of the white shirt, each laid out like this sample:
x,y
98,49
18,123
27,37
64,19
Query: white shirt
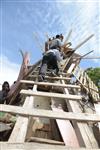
x,y
54,44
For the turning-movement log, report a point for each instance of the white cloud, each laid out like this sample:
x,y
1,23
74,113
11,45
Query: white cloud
x,y
83,19
8,70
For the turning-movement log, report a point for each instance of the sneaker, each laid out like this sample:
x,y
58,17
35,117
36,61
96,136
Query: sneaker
x,y
53,74
40,78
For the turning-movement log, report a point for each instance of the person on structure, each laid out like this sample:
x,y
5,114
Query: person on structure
x,y
4,92
51,58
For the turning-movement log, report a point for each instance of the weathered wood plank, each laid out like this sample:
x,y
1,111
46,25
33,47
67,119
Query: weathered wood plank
x,y
48,94
50,114
37,146
42,140
49,84
84,41
21,126
48,72
53,78
65,127
15,88
71,68
19,132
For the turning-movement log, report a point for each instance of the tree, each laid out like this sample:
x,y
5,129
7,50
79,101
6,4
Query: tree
x,y
94,74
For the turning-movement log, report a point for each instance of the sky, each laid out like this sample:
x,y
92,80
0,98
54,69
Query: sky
x,y
25,23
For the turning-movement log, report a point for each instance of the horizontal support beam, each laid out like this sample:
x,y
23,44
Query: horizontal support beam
x,y
48,72
43,140
50,114
37,146
52,78
48,94
50,84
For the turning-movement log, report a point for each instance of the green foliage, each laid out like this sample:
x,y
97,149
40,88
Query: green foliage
x,y
94,74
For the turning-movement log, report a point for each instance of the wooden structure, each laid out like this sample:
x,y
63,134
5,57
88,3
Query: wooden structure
x,y
57,114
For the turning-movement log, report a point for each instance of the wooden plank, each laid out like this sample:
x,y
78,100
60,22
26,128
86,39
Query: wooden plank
x,y
83,42
37,146
85,138
21,126
81,76
42,140
49,84
65,127
53,78
48,94
68,36
15,88
19,132
48,72
71,68
50,114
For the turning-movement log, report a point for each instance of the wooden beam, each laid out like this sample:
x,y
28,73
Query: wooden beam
x,y
68,36
20,129
37,146
48,72
50,84
21,126
50,114
47,141
65,126
53,78
48,94
84,41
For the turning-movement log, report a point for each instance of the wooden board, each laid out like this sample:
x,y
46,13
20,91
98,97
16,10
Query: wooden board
x,y
65,127
47,141
21,126
50,114
37,146
15,88
48,94
53,78
50,84
20,129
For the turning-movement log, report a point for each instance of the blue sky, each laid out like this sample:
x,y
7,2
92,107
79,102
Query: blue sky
x,y
21,19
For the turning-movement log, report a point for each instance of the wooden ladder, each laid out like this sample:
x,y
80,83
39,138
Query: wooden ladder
x,y
72,124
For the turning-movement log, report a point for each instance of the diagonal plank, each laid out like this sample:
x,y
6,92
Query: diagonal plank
x,y
48,94
50,84
46,141
65,127
50,114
